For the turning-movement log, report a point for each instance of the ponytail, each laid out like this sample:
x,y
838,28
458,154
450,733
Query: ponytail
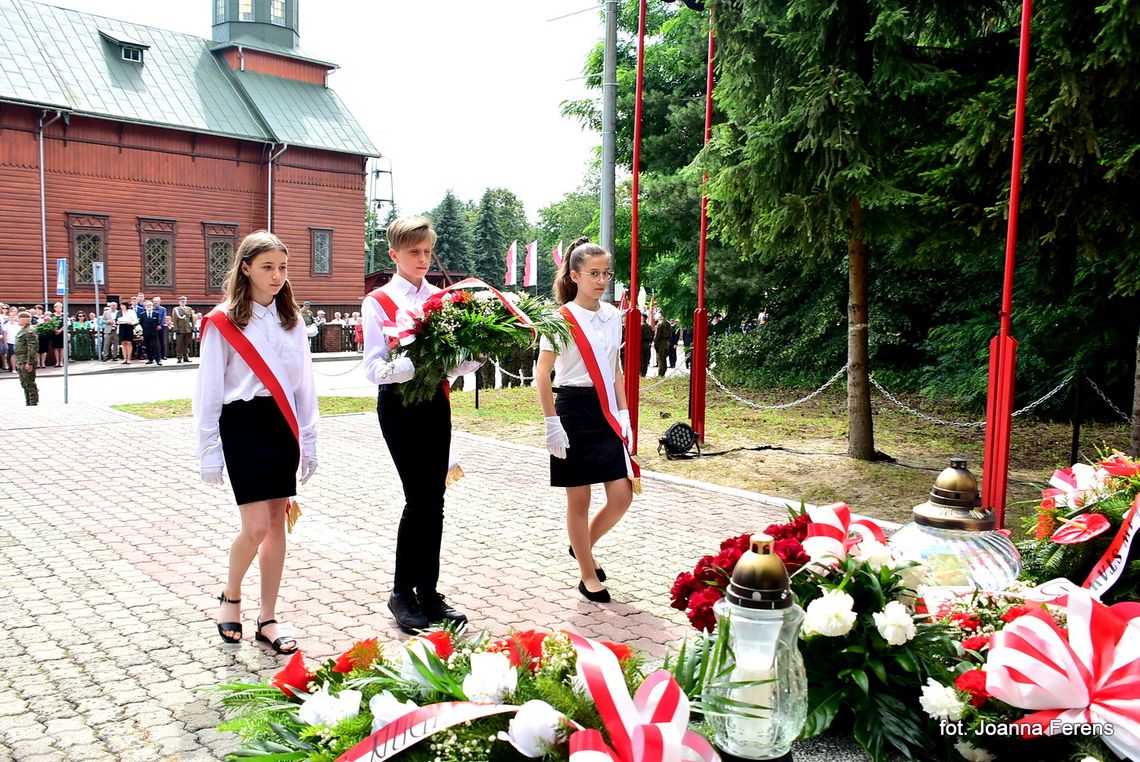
x,y
565,289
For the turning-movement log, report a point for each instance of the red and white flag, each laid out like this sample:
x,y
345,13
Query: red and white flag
x,y
530,265
511,278
556,254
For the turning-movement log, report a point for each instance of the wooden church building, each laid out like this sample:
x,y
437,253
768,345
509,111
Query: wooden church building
x,y
155,152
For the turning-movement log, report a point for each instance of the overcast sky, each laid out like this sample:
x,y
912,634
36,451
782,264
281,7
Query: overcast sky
x,y
457,94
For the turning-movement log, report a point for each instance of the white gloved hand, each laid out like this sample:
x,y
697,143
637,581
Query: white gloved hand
x,y
556,439
623,422
402,370
308,467
211,475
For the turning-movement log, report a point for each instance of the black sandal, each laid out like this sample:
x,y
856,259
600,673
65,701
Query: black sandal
x,y
224,627
276,642
597,569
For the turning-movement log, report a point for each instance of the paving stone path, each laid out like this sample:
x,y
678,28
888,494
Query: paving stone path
x,y
112,551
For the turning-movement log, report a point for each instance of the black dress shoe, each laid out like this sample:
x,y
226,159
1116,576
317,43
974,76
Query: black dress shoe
x,y
436,609
597,569
406,609
602,596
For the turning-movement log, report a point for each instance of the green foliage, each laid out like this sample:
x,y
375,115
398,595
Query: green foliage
x,y
860,682
453,246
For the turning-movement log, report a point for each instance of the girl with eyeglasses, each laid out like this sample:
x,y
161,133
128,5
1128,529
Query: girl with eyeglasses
x,y
587,425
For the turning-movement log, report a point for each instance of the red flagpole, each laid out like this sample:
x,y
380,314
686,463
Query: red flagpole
x,y
633,315
699,364
1003,348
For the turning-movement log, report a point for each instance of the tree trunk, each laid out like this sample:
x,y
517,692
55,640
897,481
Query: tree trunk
x,y
1134,445
860,437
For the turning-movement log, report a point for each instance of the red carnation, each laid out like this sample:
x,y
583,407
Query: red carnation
x,y
683,587
294,677
727,559
521,647
974,683
1016,612
442,643
433,303
792,553
461,297
620,650
967,622
362,654
701,614
706,570
742,542
976,643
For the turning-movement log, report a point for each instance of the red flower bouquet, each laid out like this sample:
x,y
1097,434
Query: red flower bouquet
x,y
695,592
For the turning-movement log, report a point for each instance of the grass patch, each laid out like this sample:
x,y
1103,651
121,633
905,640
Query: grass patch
x,y
797,454
180,408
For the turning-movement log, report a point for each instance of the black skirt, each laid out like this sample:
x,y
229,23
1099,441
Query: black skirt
x,y
596,454
260,450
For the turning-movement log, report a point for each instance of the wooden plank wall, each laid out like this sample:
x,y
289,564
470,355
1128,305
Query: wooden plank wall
x,y
129,171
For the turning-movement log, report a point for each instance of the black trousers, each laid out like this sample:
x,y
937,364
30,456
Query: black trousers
x,y
153,353
419,439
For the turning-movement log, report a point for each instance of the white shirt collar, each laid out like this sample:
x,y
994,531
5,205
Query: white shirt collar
x,y
260,311
408,288
600,315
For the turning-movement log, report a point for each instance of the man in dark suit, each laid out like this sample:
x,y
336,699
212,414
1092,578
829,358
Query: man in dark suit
x,y
161,327
150,321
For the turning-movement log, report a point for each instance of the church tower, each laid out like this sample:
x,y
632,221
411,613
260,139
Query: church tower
x,y
272,22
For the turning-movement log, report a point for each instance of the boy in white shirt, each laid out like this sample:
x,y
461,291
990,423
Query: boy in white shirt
x,y
418,436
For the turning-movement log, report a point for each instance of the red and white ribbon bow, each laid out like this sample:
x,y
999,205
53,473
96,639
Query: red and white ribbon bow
x,y
1092,676
1074,487
653,726
831,533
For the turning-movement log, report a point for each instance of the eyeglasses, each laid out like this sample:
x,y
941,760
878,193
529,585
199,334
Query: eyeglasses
x,y
602,275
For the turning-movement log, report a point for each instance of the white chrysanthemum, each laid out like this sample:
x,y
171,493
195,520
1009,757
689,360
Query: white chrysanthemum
x,y
941,701
894,623
322,708
533,729
973,753
875,554
385,707
831,614
491,678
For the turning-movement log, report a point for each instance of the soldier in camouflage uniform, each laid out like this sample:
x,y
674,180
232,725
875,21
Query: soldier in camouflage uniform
x,y
26,357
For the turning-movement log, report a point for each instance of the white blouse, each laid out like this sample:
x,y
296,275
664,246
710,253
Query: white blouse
x,y
602,325
224,377
405,295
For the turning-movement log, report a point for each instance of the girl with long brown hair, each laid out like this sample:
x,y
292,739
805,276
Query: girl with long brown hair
x,y
255,407
587,428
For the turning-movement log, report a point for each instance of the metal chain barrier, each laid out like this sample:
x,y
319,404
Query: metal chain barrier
x,y
784,406
506,372
971,424
354,366
1107,401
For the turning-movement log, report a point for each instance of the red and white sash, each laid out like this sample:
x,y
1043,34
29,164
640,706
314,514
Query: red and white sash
x,y
266,365
603,380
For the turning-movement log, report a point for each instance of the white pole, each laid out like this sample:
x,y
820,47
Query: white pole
x,y
43,200
609,135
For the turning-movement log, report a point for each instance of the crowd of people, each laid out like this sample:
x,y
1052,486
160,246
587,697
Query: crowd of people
x,y
140,330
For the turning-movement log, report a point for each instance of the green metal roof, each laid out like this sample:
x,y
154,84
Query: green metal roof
x,y
304,114
62,59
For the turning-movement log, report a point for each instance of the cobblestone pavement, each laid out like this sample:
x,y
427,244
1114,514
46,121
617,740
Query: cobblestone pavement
x,y
112,550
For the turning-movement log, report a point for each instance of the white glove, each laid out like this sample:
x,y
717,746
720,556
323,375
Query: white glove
x,y
308,467
556,439
623,422
211,475
402,370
